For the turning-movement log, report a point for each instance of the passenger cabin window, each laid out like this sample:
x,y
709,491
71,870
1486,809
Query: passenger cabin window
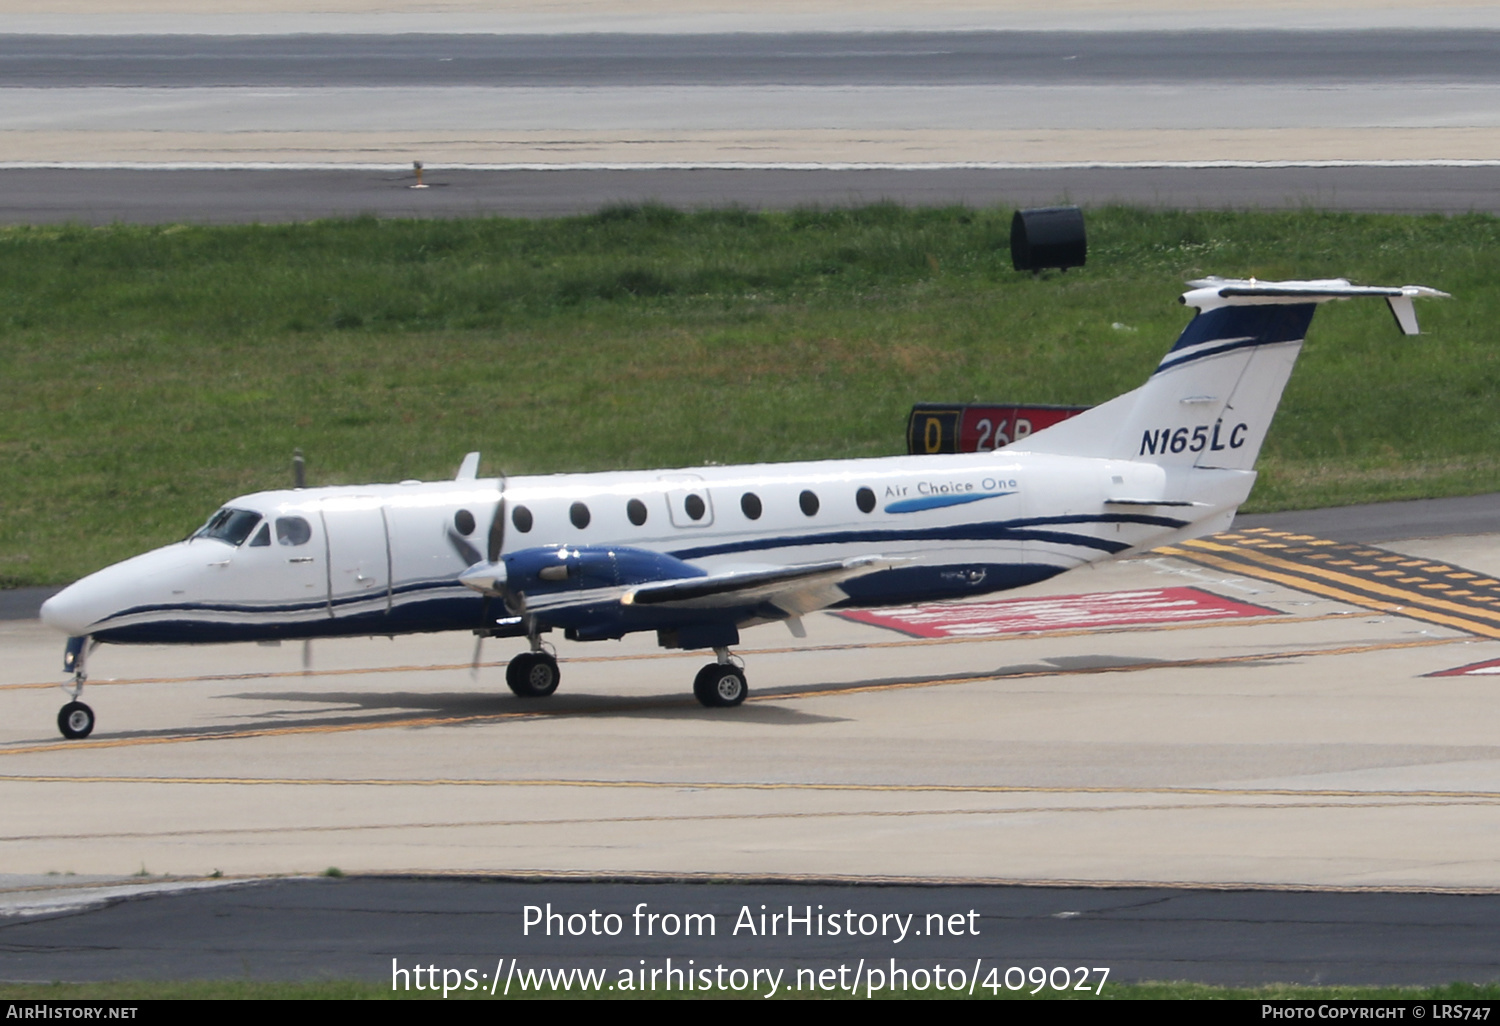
x,y
694,506
809,503
292,531
230,526
865,500
521,517
750,506
464,521
579,514
262,537
635,509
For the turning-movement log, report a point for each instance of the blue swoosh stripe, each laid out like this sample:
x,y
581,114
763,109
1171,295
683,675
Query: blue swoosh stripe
x,y
940,501
1168,363
321,604
1013,530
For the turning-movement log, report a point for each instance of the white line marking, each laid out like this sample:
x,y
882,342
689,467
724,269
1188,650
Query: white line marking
x,y
710,165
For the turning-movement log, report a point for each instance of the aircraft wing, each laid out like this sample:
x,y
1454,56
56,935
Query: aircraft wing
x,y
794,589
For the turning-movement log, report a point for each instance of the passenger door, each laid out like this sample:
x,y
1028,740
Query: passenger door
x,y
359,556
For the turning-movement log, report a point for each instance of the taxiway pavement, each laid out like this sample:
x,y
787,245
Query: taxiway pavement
x,y
1305,748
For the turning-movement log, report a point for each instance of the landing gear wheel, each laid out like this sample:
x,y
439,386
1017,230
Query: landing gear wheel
x,y
75,720
719,685
532,675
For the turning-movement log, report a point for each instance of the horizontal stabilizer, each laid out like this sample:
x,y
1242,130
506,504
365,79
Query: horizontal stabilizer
x,y
1209,293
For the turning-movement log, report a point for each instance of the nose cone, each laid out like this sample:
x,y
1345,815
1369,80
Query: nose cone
x,y
101,599
67,611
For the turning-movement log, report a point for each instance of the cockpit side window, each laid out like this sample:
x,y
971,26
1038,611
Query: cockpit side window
x,y
262,537
292,531
230,526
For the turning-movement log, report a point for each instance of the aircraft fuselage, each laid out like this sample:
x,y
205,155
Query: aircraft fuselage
x,y
384,559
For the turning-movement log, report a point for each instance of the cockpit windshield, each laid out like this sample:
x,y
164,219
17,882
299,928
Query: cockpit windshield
x,y
231,526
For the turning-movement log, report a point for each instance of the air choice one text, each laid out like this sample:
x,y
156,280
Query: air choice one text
x,y
807,921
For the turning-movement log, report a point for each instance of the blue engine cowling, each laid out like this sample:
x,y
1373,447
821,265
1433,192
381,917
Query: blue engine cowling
x,y
554,570
550,569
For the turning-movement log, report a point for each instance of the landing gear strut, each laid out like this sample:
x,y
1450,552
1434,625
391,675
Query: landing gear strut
x,y
533,674
721,683
76,720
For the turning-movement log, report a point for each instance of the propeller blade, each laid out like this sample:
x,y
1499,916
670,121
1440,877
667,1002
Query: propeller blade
x,y
467,552
497,546
497,530
478,644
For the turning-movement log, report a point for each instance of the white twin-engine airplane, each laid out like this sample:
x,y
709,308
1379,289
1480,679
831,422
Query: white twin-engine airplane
x,y
696,555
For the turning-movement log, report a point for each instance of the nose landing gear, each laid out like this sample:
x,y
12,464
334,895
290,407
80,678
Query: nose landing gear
x,y
76,720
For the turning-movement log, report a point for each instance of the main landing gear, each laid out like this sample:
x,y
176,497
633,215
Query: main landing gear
x,y
76,720
533,674
720,684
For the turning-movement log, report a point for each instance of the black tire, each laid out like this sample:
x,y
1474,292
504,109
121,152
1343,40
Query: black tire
x,y
720,685
76,721
532,675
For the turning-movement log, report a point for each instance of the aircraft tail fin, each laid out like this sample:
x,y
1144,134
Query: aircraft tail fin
x,y
1211,399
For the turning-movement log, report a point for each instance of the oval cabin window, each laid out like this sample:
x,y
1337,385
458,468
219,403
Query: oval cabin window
x,y
521,517
809,503
865,500
750,506
579,514
635,509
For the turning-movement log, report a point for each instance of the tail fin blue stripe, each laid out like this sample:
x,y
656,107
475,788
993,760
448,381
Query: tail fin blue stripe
x,y
1265,324
1230,345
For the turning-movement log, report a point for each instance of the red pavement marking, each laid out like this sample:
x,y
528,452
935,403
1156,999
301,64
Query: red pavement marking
x,y
1488,668
1057,612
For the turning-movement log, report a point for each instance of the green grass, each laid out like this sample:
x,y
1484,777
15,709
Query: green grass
x,y
150,373
348,990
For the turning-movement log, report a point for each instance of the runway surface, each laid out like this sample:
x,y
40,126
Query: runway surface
x,y
762,99
821,59
354,928
50,196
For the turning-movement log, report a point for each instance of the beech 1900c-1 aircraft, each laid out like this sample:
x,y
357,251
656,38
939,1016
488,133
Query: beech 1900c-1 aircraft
x,y
698,554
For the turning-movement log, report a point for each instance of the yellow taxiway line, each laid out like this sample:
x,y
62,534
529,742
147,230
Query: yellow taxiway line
x,y
776,696
1071,632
